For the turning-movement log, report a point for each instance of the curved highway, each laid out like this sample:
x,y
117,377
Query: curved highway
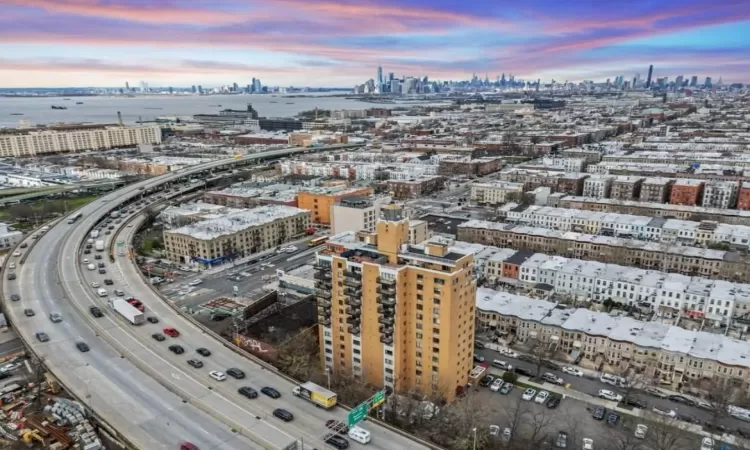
x,y
136,384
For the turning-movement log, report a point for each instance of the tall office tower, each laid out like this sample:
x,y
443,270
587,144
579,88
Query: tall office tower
x,y
380,79
678,82
144,86
257,87
635,82
694,80
502,80
235,87
708,83
193,89
650,73
127,86
396,315
200,89
391,76
395,86
538,83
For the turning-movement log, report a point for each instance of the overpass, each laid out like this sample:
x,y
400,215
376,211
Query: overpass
x,y
133,383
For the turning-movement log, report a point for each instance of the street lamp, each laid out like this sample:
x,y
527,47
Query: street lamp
x,y
475,437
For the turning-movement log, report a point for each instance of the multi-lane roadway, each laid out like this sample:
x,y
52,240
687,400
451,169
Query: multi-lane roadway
x,y
134,383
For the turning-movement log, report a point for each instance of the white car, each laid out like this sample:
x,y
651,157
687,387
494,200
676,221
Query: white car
x,y
85,261
290,249
16,253
541,397
507,434
509,353
95,285
609,395
12,266
572,371
195,282
496,385
640,431
216,375
494,430
501,364
528,394
664,412
707,443
588,444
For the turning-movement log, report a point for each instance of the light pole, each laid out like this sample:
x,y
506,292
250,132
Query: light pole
x,y
475,437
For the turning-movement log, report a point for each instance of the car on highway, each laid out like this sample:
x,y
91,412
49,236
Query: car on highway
x,y
108,282
541,397
97,256
553,401
552,378
24,245
236,373
271,392
171,332
203,351
496,385
528,394
336,441
96,311
176,349
82,347
102,271
15,297
16,253
188,446
152,319
664,412
507,387
12,265
248,392
588,444
599,413
28,312
95,285
707,443
337,426
158,336
609,395
11,276
283,414
195,282
55,317
197,363
43,337
640,431
216,375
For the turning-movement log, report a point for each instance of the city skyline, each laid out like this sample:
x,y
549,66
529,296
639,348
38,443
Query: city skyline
x,y
340,43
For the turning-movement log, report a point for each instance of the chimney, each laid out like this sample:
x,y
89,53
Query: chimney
x,y
119,118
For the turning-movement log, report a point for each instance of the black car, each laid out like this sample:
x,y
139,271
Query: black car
x,y
527,358
24,245
158,336
236,373
553,402
248,392
688,418
635,402
337,441
101,264
88,246
203,352
613,418
551,365
15,297
337,426
43,337
152,319
97,256
82,346
87,251
720,428
11,276
96,312
177,349
28,312
524,371
197,363
107,281
283,414
599,413
681,399
102,271
271,392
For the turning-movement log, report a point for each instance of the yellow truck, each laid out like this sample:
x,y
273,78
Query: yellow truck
x,y
320,396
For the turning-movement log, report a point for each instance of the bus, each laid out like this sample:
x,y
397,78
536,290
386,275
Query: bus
x,y
74,217
318,241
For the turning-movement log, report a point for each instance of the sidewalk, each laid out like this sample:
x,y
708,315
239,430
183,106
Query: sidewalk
x,y
242,261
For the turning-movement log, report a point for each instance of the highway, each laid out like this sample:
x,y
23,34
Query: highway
x,y
130,391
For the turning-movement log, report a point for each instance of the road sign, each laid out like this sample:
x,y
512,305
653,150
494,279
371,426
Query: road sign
x,y
377,399
357,414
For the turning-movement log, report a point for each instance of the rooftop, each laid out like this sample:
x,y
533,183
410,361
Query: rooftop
x,y
233,223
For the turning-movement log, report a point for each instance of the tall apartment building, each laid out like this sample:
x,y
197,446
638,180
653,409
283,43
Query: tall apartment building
x,y
686,191
319,201
626,188
396,315
720,194
743,198
656,190
356,213
598,186
28,143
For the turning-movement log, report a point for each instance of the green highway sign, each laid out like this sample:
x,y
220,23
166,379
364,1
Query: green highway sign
x,y
377,399
357,414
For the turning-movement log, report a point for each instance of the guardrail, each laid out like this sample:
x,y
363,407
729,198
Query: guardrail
x,y
254,358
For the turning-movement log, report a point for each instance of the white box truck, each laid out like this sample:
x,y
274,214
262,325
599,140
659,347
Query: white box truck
x,y
99,246
126,310
94,234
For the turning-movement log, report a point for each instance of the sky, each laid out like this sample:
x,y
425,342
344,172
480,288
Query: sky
x,y
58,43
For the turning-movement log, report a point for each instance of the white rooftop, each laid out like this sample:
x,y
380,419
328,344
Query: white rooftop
x,y
233,223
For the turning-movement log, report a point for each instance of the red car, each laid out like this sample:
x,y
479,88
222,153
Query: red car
x,y
137,304
171,332
188,446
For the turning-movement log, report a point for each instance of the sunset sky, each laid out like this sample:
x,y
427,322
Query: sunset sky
x,y
341,42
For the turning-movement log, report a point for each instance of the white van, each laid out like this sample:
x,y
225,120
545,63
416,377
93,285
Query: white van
x,y
359,435
102,292
91,267
119,293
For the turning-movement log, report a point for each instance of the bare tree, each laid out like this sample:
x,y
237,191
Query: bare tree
x,y
21,211
663,434
720,392
540,353
455,428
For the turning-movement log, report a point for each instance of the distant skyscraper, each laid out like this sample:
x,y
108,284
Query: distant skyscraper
x,y
235,87
395,86
200,89
144,86
678,82
257,87
194,89
650,73
694,80
127,86
708,83
380,79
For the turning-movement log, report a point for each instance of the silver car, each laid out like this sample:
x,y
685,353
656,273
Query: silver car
x,y
55,317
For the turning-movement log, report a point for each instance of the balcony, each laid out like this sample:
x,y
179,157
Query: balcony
x,y
385,310
385,329
387,281
386,340
324,310
354,321
353,275
323,294
352,301
325,321
386,301
353,311
385,320
324,303
353,283
323,285
353,330
385,290
324,275
353,292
